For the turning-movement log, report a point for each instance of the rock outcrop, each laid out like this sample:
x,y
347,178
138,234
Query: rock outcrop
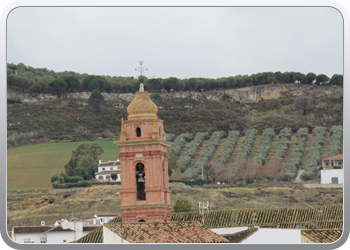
x,y
250,94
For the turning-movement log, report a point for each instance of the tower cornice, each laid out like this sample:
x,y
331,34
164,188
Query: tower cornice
x,y
143,143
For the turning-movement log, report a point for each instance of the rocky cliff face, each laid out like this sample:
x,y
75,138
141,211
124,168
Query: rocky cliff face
x,y
251,94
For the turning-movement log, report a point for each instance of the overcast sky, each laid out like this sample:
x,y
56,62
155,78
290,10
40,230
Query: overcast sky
x,y
182,42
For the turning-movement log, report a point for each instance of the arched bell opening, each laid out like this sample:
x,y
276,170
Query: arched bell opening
x,y
138,132
141,221
140,182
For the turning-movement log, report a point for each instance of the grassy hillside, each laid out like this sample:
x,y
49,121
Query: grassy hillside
x,y
31,167
31,209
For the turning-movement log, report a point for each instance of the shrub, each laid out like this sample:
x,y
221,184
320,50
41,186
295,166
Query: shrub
x,y
247,145
265,146
182,206
170,137
249,180
197,182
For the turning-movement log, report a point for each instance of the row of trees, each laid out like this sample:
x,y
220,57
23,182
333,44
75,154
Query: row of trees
x,y
257,168
206,156
315,154
42,80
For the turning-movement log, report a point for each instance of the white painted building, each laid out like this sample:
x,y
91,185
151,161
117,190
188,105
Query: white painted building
x,y
105,169
61,232
332,176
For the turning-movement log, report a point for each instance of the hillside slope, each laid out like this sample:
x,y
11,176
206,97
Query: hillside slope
x,y
240,109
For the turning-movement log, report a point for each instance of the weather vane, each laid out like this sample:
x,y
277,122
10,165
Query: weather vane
x,y
141,69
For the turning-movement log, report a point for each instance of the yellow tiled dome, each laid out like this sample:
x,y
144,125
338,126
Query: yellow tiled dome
x,y
142,107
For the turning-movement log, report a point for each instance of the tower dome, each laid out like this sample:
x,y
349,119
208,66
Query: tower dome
x,y
142,107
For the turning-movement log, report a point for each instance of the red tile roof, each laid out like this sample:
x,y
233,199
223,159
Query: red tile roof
x,y
168,232
110,163
109,172
334,157
322,236
240,236
31,229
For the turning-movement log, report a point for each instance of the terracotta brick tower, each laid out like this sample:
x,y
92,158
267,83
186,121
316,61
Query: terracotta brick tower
x,y
145,194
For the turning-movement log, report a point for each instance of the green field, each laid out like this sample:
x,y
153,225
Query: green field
x,y
31,167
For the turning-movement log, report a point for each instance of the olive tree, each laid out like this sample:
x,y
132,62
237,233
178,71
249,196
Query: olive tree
x,y
302,103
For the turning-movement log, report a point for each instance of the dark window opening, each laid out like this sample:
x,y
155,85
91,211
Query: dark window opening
x,y
138,132
334,179
140,182
141,221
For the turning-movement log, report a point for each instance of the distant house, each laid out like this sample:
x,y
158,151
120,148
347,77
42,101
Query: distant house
x,y
62,232
332,170
332,161
104,218
332,176
105,169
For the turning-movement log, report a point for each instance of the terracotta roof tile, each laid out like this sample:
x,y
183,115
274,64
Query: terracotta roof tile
x,y
90,228
334,157
168,232
31,229
322,236
59,229
109,172
240,236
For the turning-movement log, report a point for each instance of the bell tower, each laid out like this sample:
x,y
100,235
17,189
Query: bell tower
x,y
145,194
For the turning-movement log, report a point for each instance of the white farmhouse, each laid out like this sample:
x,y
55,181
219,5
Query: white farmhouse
x,y
105,169
333,161
62,232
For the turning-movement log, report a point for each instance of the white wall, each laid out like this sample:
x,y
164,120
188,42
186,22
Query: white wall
x,y
111,237
327,174
105,177
19,238
57,237
228,230
275,236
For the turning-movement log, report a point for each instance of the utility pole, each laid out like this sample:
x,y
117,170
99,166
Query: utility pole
x,y
254,214
201,209
202,173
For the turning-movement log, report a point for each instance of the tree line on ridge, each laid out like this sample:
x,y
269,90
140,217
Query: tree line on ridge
x,y
43,80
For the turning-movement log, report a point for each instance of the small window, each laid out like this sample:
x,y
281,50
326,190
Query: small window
x,y
64,240
138,132
334,179
327,164
42,240
103,168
